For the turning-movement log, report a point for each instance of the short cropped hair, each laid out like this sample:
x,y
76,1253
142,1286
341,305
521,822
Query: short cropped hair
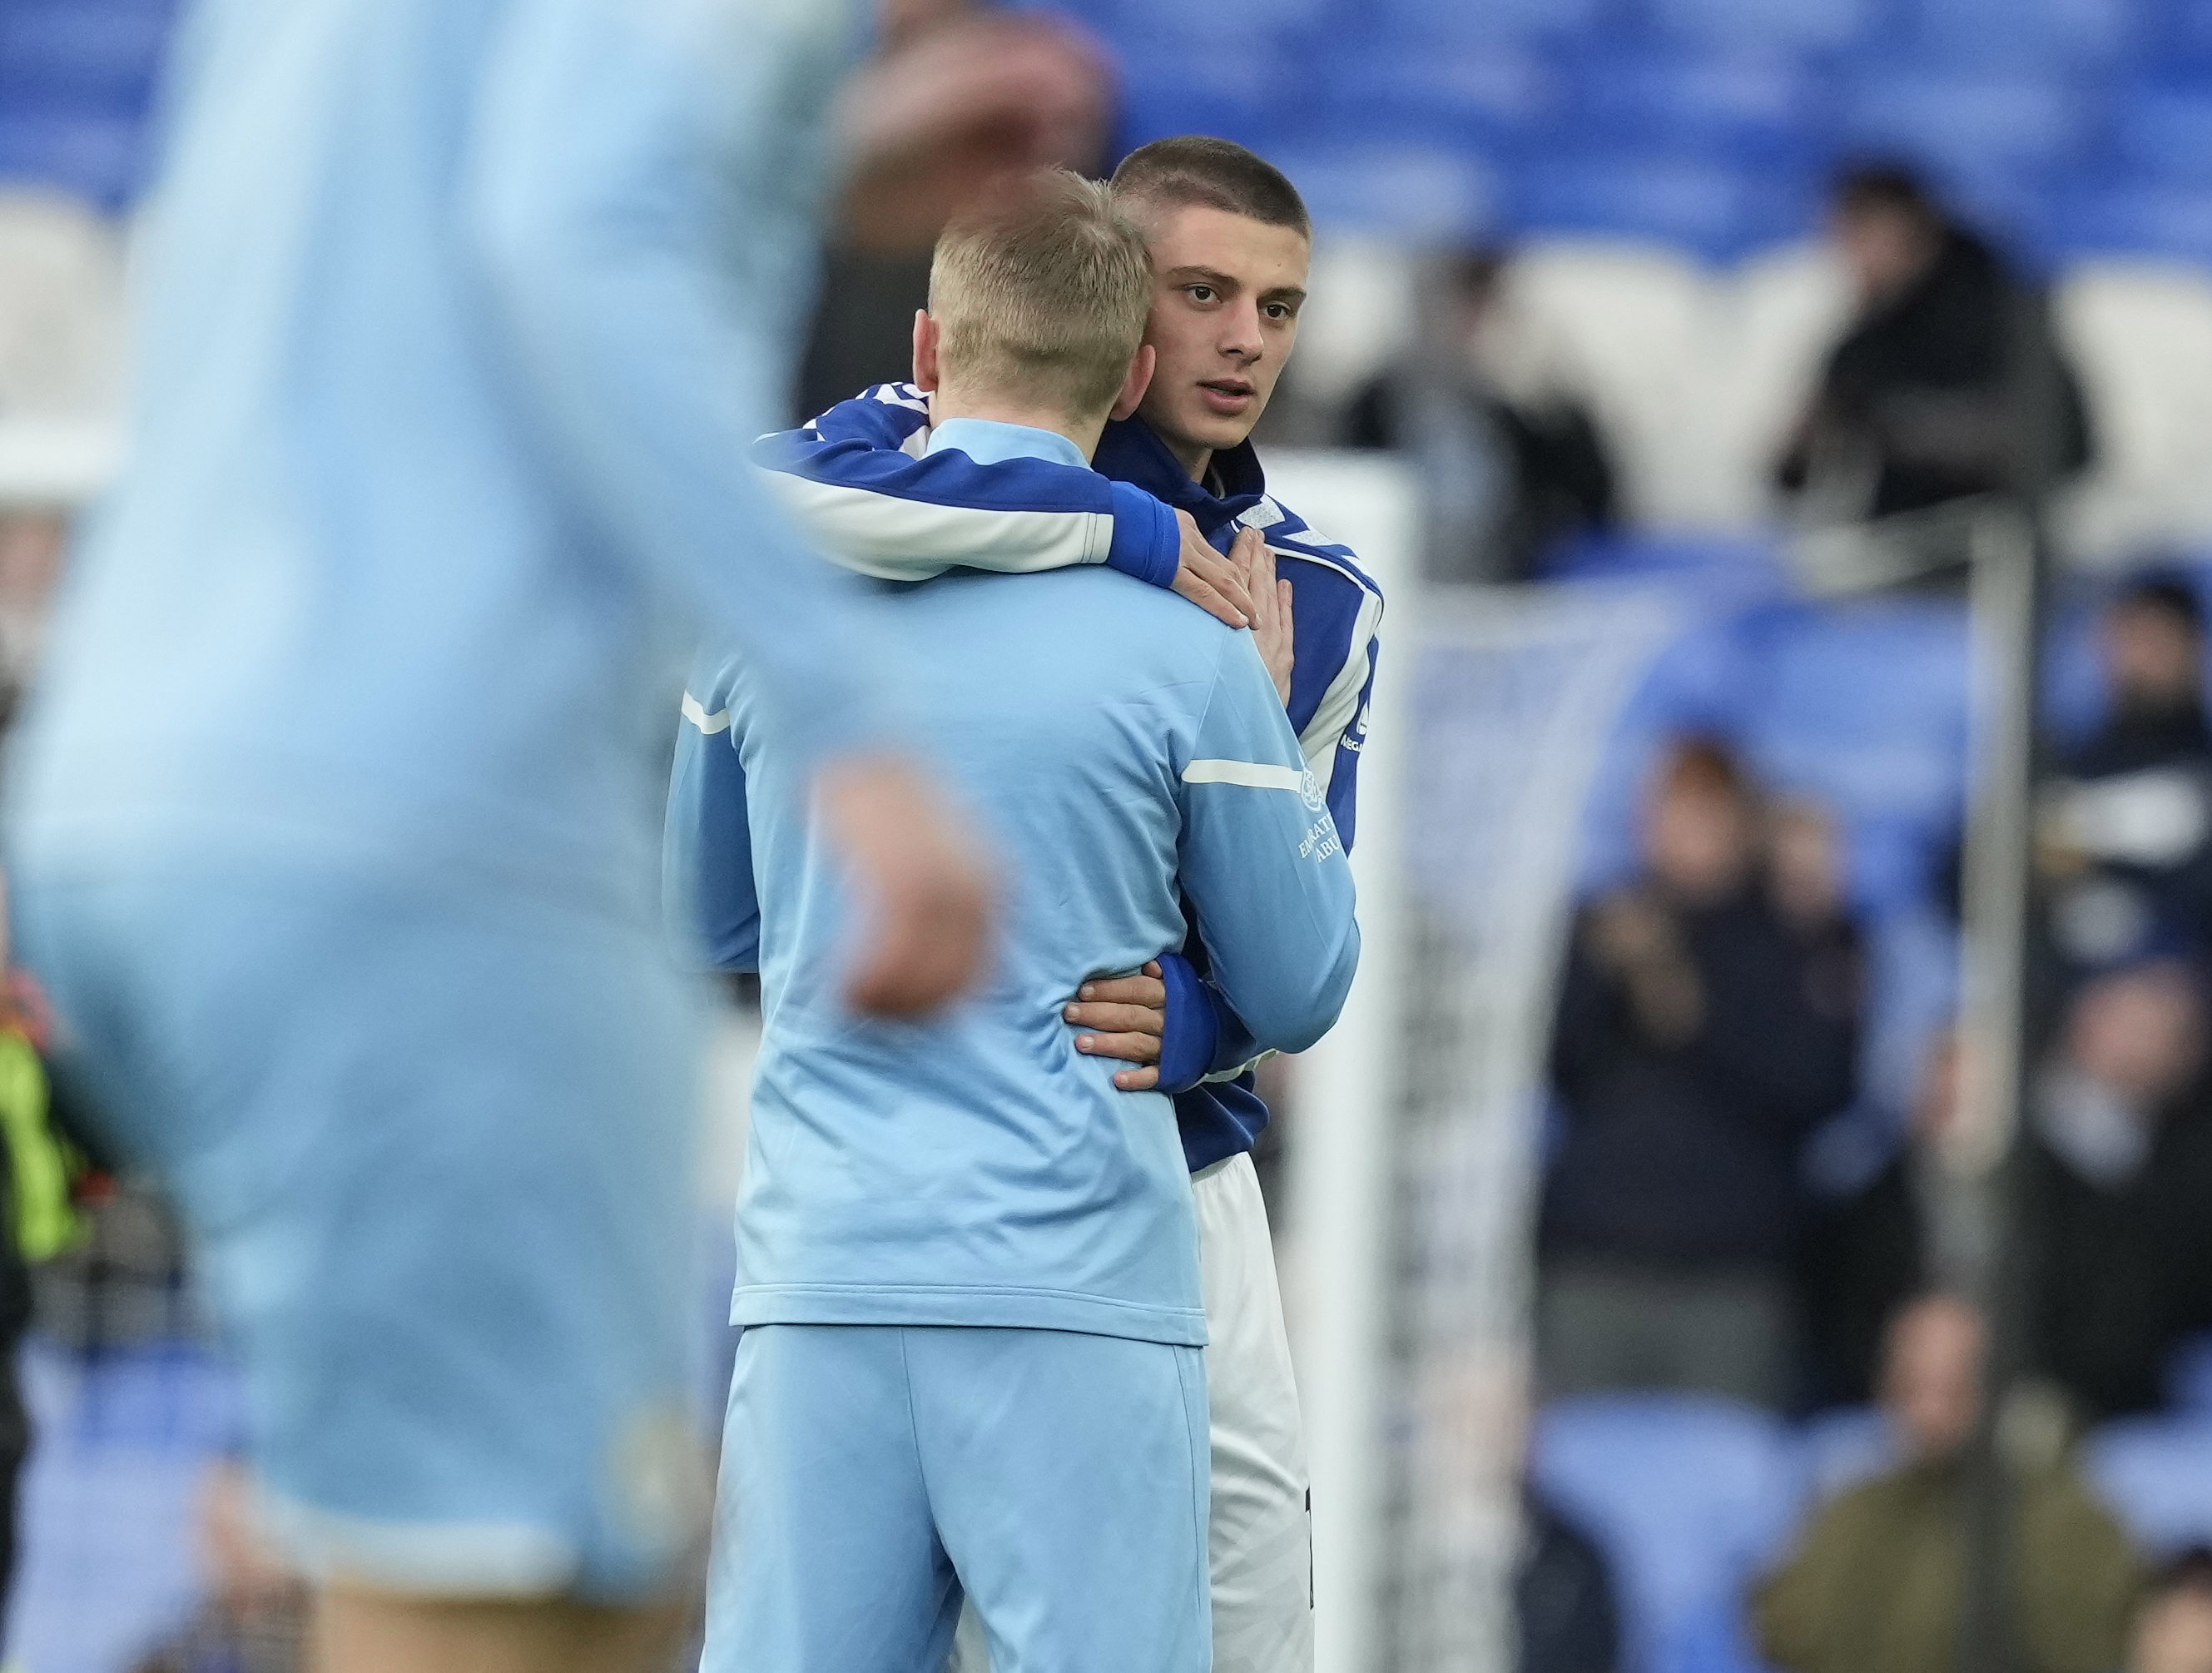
x,y
1219,173
1043,291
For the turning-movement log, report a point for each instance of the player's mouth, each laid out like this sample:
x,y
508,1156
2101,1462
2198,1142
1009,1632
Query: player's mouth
x,y
1230,396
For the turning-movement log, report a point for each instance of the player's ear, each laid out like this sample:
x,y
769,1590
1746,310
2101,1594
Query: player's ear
x,y
1138,380
925,350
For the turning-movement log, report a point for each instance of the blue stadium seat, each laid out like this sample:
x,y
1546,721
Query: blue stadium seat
x,y
2058,33
1810,25
100,158
1864,707
1981,122
1846,1446
1480,21
1711,208
1751,108
80,56
1690,1497
1157,25
2162,131
1452,95
2123,218
1240,98
1423,198
2157,1474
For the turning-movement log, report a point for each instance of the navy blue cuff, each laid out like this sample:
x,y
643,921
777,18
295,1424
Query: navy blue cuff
x,y
1147,544
1188,1044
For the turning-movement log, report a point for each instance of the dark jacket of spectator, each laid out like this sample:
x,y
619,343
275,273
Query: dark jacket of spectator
x,y
1685,1151
1563,1597
1915,396
1502,436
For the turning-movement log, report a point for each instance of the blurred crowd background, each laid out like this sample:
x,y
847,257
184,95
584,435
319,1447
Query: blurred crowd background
x,y
1725,301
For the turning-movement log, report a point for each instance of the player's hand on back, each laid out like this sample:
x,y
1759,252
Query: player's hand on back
x,y
927,900
1270,607
1212,583
1123,1017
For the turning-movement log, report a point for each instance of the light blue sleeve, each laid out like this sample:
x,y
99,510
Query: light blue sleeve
x,y
1261,860
899,517
643,186
712,902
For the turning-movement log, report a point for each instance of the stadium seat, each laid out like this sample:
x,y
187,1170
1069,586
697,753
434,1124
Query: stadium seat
x,y
1714,211
1865,708
1239,98
1746,109
97,157
1981,122
1846,1446
2056,32
1437,22
2157,1474
82,56
1690,1497
1451,96
1414,196
2162,131
2116,214
1737,24
1157,24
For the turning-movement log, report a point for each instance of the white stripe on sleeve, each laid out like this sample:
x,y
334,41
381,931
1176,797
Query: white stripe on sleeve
x,y
1255,775
695,712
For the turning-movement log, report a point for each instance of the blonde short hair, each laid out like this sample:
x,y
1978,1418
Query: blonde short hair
x,y
1043,293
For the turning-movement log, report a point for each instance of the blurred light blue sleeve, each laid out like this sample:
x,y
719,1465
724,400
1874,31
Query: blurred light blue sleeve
x,y
1260,861
712,902
643,190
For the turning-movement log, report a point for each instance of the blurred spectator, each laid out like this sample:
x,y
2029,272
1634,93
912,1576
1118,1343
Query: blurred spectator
x,y
1874,1585
2120,1173
1709,1022
1563,1597
1491,410
1909,1229
2173,1628
2126,830
1910,410
2117,1172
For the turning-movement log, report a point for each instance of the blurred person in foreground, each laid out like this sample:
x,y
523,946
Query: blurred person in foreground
x,y
2173,1631
1230,241
1498,417
335,825
2127,832
968,1259
1912,408
1874,1584
1709,1023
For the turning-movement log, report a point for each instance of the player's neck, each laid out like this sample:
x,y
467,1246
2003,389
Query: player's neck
x,y
946,402
1195,457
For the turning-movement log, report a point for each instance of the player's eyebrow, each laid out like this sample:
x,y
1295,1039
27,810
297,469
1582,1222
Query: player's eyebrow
x,y
1284,293
1222,282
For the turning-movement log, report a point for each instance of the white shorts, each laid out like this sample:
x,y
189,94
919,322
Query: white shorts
x,y
1260,1531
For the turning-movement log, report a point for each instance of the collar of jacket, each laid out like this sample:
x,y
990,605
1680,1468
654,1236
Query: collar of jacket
x,y
1129,451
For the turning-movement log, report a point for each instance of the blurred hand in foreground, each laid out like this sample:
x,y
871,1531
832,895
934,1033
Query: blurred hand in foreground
x,y
926,898
954,103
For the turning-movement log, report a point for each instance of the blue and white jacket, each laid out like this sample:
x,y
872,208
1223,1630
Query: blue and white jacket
x,y
862,483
